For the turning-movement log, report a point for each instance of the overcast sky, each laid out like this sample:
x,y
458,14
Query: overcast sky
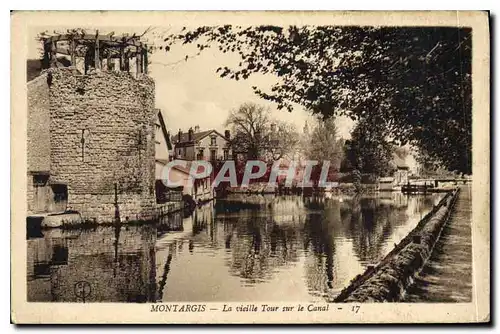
x,y
190,93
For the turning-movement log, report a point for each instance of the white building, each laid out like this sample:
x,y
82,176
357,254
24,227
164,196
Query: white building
x,y
209,145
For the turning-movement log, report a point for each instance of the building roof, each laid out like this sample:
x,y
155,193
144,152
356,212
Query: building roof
x,y
182,169
162,161
185,169
164,129
196,136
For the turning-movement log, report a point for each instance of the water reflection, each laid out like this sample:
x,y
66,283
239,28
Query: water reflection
x,y
257,248
117,263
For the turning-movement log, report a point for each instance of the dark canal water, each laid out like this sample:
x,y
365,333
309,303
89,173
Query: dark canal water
x,y
248,248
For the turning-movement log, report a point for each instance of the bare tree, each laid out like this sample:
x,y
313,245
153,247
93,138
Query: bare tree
x,y
282,140
258,136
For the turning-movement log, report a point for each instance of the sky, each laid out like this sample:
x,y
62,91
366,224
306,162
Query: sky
x,y
191,93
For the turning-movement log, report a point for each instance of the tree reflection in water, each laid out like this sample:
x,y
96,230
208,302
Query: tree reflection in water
x,y
370,221
232,248
259,246
262,235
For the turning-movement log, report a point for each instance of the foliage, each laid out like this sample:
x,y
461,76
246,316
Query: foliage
x,y
258,135
431,168
369,151
356,176
323,143
418,79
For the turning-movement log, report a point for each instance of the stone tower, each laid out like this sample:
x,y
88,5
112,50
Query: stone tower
x,y
99,128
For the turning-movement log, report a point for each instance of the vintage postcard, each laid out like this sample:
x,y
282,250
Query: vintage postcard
x,y
250,167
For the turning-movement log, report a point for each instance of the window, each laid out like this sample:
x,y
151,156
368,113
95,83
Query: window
x,y
213,140
40,180
213,155
200,155
226,154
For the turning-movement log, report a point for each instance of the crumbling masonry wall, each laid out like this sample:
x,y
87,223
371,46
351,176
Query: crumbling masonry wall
x,y
102,142
38,138
38,125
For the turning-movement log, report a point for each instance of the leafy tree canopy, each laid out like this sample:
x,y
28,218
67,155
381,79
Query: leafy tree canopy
x,y
323,143
417,79
369,151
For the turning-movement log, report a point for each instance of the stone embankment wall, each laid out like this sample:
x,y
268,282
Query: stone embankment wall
x,y
388,281
102,142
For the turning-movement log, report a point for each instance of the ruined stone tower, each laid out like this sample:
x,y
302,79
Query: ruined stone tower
x,y
97,128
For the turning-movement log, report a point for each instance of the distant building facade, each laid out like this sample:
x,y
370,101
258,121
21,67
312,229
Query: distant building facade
x,y
199,190
398,179
402,171
209,145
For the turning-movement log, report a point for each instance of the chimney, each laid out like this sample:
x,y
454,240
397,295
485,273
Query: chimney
x,y
227,134
190,134
196,129
179,136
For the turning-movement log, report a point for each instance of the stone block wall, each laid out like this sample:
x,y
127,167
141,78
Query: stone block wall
x,y
38,125
102,139
30,193
38,137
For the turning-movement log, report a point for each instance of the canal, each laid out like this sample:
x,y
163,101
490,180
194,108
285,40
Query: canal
x,y
242,248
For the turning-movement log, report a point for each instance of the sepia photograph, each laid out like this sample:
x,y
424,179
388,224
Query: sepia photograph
x,y
233,167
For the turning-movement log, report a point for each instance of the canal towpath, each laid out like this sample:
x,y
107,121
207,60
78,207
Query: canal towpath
x,y
447,275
